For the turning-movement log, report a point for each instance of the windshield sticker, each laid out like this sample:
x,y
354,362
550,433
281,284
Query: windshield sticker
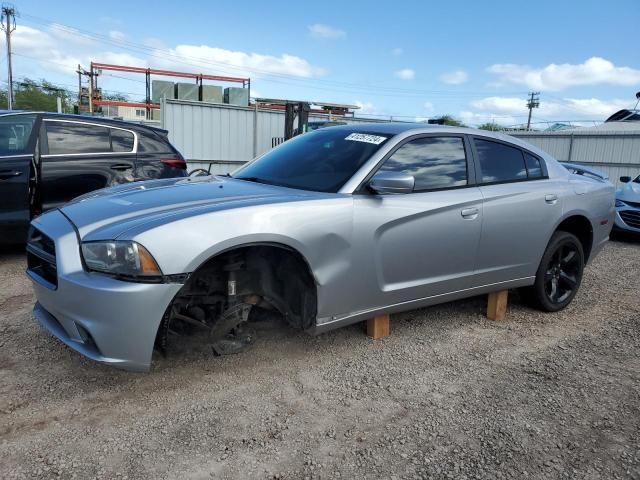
x,y
364,137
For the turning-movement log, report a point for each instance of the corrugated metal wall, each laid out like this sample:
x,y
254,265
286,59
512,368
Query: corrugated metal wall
x,y
226,135
615,152
229,135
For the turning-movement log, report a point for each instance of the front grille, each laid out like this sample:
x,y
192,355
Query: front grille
x,y
41,256
631,218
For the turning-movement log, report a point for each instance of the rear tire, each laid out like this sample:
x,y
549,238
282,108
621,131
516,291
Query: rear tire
x,y
559,274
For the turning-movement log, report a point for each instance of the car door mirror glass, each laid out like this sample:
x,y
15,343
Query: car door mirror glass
x,y
391,183
625,179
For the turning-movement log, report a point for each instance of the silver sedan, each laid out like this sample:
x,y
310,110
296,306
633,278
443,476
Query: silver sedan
x,y
330,228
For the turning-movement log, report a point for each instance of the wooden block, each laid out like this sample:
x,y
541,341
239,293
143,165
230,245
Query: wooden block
x,y
378,327
497,305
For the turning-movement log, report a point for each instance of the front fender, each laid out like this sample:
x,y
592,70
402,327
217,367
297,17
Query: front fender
x,y
320,231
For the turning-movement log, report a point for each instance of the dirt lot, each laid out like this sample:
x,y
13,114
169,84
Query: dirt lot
x,y
448,395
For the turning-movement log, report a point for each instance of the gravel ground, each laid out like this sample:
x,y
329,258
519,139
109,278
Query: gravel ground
x,y
448,395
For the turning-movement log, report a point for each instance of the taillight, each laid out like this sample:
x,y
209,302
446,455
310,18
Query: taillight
x,y
174,163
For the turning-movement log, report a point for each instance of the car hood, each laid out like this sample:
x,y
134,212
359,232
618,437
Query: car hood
x,y
107,214
629,192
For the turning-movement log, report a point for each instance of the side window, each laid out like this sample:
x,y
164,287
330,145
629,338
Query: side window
x,y
435,162
121,140
499,162
15,131
150,142
533,166
69,137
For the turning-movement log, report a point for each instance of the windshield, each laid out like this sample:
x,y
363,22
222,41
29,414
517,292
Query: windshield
x,y
320,161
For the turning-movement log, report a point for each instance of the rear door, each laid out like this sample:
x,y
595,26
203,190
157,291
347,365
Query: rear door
x,y
520,205
17,174
80,157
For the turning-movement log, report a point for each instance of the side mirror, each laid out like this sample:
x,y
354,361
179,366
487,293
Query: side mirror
x,y
392,183
625,179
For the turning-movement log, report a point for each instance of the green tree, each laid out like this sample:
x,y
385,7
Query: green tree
x,y
41,96
492,126
450,120
115,96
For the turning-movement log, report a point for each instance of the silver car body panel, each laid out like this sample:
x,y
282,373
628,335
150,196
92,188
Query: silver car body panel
x,y
369,254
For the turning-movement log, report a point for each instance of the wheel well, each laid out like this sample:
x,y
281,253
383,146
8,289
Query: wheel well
x,y
579,226
269,276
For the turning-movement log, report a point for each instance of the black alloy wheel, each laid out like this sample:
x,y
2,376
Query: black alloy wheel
x,y
559,274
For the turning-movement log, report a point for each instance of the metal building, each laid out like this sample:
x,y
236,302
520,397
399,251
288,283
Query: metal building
x,y
613,147
226,136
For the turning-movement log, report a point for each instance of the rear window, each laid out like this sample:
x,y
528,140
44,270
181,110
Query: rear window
x,y
121,140
15,132
534,169
500,162
149,142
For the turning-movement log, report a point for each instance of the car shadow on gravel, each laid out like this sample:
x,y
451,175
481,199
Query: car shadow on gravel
x,y
10,252
625,237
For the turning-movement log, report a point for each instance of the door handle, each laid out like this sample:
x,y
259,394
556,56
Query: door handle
x,y
469,213
121,166
7,174
551,198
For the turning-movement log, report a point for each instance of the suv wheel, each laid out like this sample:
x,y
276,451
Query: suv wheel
x,y
559,274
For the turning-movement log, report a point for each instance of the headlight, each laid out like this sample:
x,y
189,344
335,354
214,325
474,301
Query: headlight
x,y
620,203
125,259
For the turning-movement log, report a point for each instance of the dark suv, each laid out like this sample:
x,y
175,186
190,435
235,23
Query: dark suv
x,y
47,159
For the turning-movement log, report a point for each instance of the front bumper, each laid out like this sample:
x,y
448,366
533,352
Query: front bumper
x,y
627,219
108,320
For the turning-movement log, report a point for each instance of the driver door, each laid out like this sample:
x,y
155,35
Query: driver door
x,y
420,244
17,150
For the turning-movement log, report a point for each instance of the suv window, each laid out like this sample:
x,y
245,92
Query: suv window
x,y
121,140
499,162
67,137
434,162
150,142
15,131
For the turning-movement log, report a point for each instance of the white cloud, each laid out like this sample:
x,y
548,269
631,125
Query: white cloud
x,y
456,77
60,50
364,107
320,30
594,71
406,74
428,106
397,51
513,110
476,118
236,63
117,35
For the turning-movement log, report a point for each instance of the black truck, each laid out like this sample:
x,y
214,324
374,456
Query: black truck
x,y
47,159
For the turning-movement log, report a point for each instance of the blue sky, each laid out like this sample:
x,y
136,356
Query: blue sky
x,y
474,60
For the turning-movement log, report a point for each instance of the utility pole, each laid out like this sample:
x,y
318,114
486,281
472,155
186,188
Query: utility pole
x,y
8,21
534,102
92,77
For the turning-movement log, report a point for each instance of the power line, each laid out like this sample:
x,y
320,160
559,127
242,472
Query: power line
x,y
65,65
195,61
